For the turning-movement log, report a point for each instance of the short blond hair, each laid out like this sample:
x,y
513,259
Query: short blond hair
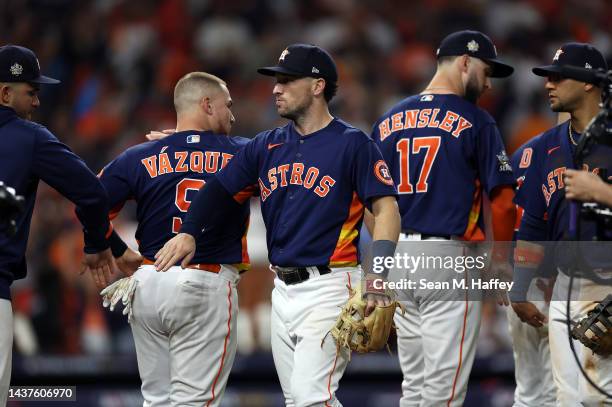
x,y
194,86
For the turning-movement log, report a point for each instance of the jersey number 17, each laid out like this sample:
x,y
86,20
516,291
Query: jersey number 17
x,y
431,145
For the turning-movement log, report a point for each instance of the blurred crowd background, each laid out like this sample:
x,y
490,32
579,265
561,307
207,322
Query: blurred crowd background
x,y
118,61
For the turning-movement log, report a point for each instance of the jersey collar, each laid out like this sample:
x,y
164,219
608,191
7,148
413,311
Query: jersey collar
x,y
324,130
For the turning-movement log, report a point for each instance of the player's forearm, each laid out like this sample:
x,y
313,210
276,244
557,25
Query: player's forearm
x,y
210,204
96,226
528,255
386,219
368,220
52,161
386,226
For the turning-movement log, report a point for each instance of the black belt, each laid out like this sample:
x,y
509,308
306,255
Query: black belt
x,y
294,275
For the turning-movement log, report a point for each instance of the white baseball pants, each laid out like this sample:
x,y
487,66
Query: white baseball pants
x,y
531,351
436,338
6,348
572,388
302,314
184,329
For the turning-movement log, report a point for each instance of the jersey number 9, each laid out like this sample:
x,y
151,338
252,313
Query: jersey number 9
x,y
181,201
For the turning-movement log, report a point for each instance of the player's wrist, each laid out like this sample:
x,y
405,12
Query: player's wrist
x,y
521,280
190,229
117,245
94,244
377,263
374,284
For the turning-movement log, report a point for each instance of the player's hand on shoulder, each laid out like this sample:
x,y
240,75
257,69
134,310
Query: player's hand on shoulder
x,y
129,262
180,248
155,135
100,266
529,314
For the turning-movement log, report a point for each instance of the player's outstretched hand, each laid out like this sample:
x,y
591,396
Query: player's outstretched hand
x,y
180,248
529,314
155,135
100,266
129,262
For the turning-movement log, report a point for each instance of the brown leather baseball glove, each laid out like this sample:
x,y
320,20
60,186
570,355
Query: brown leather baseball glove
x,y
354,331
595,330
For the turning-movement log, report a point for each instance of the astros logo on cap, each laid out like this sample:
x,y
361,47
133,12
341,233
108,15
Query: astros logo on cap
x,y
16,69
283,55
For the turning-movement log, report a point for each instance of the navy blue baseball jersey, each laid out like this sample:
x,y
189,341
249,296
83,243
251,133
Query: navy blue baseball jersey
x,y
542,194
29,153
521,160
162,177
442,152
313,190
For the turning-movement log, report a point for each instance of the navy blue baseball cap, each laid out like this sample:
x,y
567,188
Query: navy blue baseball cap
x,y
19,64
477,45
574,60
304,60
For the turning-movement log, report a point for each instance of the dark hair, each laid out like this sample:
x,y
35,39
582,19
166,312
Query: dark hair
x,y
330,90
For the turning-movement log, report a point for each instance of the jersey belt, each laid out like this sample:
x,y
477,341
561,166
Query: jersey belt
x,y
213,268
294,275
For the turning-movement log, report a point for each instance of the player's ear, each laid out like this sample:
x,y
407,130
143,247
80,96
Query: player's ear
x,y
318,86
5,93
588,87
464,62
206,105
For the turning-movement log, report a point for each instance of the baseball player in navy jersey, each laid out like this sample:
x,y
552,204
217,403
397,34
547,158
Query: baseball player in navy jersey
x,y
546,218
531,351
29,153
443,152
184,320
315,175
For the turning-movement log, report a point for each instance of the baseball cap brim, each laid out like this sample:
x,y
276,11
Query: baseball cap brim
x,y
500,70
568,71
546,70
44,79
273,70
